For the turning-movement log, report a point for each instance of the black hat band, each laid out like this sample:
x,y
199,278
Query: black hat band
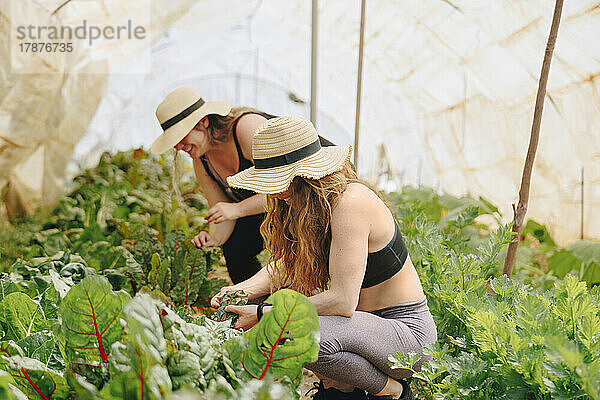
x,y
288,158
172,121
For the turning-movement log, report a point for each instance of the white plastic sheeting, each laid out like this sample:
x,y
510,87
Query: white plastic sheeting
x,y
43,115
448,91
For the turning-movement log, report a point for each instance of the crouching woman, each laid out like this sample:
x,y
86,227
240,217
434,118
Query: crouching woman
x,y
334,240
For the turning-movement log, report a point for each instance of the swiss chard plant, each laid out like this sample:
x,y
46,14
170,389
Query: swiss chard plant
x,y
87,341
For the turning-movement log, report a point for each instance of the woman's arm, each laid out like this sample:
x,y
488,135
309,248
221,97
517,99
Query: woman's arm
x,y
256,204
256,286
222,211
213,193
350,227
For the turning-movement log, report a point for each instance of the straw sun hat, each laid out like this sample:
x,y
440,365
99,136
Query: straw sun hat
x,y
286,147
179,112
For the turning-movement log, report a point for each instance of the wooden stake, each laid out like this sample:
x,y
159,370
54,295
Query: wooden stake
x,y
521,209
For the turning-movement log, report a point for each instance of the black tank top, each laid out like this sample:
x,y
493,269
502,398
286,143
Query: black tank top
x,y
234,194
387,262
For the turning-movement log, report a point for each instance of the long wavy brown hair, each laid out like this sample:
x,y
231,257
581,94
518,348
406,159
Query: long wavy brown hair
x,y
298,232
220,127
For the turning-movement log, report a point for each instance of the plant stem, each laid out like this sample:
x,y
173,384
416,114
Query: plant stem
x,y
521,208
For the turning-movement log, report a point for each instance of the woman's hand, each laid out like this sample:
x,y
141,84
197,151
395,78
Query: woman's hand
x,y
222,212
203,239
215,302
247,316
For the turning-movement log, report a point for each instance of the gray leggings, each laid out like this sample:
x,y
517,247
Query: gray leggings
x,y
355,350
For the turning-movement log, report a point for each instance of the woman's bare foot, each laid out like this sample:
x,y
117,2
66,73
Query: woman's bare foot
x,y
392,388
328,383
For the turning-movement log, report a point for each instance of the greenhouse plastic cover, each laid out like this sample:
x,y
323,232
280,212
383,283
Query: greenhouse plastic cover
x,y
447,98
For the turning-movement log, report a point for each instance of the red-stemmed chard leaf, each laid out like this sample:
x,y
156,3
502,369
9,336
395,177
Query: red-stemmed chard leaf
x,y
35,380
138,361
90,323
284,340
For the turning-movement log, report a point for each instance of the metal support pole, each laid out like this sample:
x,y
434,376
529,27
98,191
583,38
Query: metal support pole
x,y
359,80
582,205
313,61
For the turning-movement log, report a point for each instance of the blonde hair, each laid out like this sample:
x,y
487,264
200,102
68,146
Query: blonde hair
x,y
298,232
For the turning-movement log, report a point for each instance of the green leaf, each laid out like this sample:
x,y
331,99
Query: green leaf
x,y
285,338
35,380
174,245
538,231
61,285
143,251
591,273
231,298
195,339
160,274
7,286
587,251
43,347
184,370
124,269
138,364
20,317
81,388
562,262
190,270
589,332
90,313
7,389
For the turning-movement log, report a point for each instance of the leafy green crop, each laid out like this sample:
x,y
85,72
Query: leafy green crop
x,y
103,344
90,325
282,341
517,342
138,366
231,298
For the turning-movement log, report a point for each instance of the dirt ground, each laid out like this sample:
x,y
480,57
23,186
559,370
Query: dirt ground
x,y
306,383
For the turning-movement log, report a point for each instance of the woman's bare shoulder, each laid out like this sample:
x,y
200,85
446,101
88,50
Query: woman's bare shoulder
x,y
246,127
357,198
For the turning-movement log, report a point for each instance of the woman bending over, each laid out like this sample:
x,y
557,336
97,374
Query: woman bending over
x,y
334,240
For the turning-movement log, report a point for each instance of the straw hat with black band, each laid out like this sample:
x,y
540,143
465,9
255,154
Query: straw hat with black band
x,y
179,112
286,147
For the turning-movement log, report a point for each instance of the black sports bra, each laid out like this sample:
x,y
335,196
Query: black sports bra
x,y
387,262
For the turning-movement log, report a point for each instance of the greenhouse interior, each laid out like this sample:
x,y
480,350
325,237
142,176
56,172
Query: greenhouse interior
x,y
197,199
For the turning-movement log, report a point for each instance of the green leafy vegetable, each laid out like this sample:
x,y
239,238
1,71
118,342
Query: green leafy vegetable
x,y
90,324
231,298
283,340
20,317
138,362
